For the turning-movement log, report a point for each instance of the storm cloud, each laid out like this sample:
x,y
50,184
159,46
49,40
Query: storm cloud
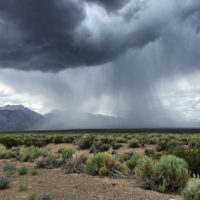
x,y
120,58
55,35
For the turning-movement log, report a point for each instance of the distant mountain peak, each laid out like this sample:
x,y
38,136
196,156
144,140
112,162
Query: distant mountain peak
x,y
12,107
18,117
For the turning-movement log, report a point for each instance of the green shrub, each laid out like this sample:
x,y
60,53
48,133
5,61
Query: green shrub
x,y
191,156
123,157
167,145
133,143
30,153
45,196
22,170
94,164
49,162
10,142
31,196
131,163
192,192
104,144
66,153
69,139
85,142
171,173
4,183
34,173
57,139
30,141
121,140
144,172
98,146
22,187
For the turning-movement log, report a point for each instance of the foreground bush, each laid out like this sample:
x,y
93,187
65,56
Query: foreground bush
x,y
192,192
4,183
144,172
168,174
101,163
171,173
29,154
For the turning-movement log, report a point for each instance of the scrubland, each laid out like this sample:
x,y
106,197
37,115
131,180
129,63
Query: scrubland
x,y
82,165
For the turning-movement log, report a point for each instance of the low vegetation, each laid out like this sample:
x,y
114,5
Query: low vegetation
x,y
22,170
163,163
4,182
192,191
170,173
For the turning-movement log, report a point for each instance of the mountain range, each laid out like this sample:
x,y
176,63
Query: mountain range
x,y
20,118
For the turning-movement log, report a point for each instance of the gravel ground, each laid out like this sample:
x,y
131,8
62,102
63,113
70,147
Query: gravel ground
x,y
76,186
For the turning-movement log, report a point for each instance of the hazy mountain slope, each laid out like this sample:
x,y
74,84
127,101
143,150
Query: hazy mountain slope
x,y
67,119
18,118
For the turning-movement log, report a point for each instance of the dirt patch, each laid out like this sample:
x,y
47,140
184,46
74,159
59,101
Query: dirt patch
x,y
76,186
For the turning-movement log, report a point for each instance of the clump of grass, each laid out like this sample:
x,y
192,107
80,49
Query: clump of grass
x,y
45,196
22,187
34,173
75,186
9,169
22,170
4,183
31,196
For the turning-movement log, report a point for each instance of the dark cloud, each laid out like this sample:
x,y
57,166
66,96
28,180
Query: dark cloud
x,y
54,35
110,5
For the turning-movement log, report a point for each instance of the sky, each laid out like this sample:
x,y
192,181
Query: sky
x,y
135,60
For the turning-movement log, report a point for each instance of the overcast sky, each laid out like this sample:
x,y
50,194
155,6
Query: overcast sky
x,y
133,59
